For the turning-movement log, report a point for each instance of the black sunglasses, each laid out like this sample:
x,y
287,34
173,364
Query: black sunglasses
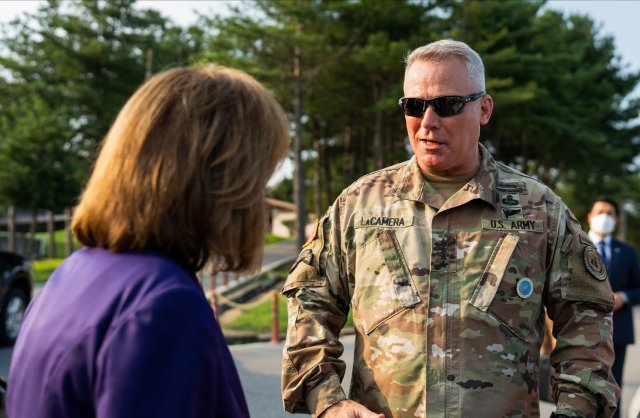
x,y
443,106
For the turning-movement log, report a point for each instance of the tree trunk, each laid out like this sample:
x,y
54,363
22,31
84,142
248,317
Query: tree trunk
x,y
378,149
69,235
362,157
149,64
52,235
328,195
524,160
299,188
317,180
347,172
622,230
32,251
11,228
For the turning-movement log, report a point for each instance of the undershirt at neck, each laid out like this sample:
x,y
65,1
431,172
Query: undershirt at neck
x,y
448,186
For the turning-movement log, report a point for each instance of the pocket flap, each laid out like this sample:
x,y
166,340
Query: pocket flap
x,y
403,285
493,273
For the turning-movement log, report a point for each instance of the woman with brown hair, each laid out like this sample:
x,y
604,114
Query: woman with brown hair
x,y
122,328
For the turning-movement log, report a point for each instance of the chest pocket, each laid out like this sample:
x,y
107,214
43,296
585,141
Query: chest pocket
x,y
384,286
510,289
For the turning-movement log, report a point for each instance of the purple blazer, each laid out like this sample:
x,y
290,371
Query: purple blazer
x,y
122,335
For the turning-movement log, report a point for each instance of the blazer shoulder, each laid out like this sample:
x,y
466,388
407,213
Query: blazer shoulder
x,y
625,247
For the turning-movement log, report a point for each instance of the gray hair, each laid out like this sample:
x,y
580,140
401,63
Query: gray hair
x,y
441,50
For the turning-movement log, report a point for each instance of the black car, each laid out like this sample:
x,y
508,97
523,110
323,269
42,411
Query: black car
x,y
15,294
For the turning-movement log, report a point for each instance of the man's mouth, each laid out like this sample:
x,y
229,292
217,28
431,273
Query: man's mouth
x,y
429,141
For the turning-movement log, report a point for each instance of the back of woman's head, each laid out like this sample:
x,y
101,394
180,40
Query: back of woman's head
x,y
183,170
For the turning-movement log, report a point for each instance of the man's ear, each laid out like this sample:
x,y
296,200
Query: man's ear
x,y
486,107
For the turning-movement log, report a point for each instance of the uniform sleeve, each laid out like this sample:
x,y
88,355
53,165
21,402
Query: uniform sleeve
x,y
318,305
168,359
580,303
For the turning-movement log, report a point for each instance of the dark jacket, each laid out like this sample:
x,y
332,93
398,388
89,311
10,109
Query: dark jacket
x,y
624,275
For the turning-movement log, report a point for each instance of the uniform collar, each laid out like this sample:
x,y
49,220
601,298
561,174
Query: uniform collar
x,y
483,186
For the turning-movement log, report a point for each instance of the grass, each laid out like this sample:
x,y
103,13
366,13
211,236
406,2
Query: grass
x,y
43,268
60,240
272,239
257,318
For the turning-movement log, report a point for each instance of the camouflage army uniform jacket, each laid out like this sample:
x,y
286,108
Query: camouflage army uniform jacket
x,y
447,300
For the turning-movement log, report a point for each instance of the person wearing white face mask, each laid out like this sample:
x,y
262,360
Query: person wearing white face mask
x,y
624,274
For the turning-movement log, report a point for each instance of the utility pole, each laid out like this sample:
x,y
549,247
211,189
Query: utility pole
x,y
299,187
149,66
69,235
275,324
11,228
52,234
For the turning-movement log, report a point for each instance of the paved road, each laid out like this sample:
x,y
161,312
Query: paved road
x,y
259,368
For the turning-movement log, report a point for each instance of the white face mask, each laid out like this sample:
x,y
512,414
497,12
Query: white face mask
x,y
602,224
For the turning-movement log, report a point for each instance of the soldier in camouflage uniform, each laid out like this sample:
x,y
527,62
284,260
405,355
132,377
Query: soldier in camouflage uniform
x,y
446,262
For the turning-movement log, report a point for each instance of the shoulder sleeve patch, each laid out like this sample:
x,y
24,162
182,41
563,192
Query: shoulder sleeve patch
x,y
593,262
584,275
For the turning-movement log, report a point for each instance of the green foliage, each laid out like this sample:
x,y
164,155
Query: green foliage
x,y
65,73
283,190
351,72
558,89
43,268
37,163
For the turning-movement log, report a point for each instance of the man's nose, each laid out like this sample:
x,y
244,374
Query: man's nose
x,y
430,119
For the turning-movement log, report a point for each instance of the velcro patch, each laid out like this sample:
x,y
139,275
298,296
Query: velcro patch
x,y
529,225
512,187
383,220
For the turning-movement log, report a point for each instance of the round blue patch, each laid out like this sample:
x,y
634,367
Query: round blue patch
x,y
524,287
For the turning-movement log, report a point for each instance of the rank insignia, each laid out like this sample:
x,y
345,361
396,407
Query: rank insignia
x,y
511,206
593,263
510,201
509,213
524,287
